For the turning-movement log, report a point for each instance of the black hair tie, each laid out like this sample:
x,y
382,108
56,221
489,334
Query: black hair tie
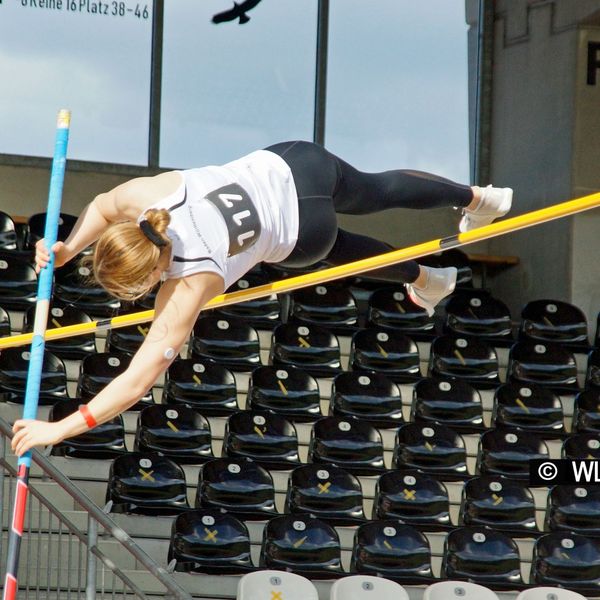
x,y
152,234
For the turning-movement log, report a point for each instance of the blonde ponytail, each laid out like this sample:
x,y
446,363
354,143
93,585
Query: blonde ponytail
x,y
124,256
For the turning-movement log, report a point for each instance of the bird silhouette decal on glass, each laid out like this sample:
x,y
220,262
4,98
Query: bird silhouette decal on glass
x,y
237,12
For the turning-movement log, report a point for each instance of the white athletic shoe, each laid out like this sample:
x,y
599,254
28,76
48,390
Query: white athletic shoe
x,y
494,203
440,283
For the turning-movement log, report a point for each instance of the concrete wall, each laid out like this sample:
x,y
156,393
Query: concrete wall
x,y
544,143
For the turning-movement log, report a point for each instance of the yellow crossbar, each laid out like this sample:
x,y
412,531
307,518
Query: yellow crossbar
x,y
536,217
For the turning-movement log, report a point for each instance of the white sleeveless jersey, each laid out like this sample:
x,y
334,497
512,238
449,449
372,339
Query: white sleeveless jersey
x,y
226,219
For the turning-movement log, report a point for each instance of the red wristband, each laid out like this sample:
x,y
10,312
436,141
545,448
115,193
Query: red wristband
x,y
87,415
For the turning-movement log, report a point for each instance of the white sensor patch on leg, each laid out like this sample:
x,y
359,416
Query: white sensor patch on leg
x,y
169,353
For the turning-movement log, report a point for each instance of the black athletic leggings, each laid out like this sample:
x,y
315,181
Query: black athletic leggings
x,y
327,185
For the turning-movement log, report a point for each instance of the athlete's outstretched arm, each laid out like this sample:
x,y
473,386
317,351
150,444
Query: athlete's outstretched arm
x,y
123,203
178,304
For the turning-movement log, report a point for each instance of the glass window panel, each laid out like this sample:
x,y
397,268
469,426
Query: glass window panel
x,y
397,85
232,88
92,57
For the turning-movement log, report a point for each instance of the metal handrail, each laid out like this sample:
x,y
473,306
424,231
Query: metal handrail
x,y
94,511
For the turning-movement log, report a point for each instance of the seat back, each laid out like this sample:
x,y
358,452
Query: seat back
x,y
367,587
267,585
262,313
430,447
542,363
263,436
302,544
479,315
327,305
74,285
201,384
37,223
327,492
231,342
8,233
566,559
508,452
74,347
412,497
498,502
391,308
452,402
348,443
146,483
391,353
574,508
105,441
481,555
586,411
554,322
290,392
470,359
528,406
18,283
458,590
96,371
14,367
180,433
236,485
208,541
372,397
308,347
391,549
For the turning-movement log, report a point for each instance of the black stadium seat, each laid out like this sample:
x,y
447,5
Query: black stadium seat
x,y
96,371
8,233
5,329
326,492
263,436
582,446
59,315
508,452
479,315
127,339
568,560
391,308
390,353
74,285
14,367
449,401
482,555
500,503
586,412
330,306
37,223
18,283
301,544
470,359
346,442
106,441
528,406
412,497
179,433
262,313
393,550
146,483
208,541
312,348
554,322
230,342
201,384
371,397
545,364
236,485
574,508
431,447
290,392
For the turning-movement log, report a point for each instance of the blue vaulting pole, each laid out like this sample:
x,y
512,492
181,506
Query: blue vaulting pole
x,y
32,389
